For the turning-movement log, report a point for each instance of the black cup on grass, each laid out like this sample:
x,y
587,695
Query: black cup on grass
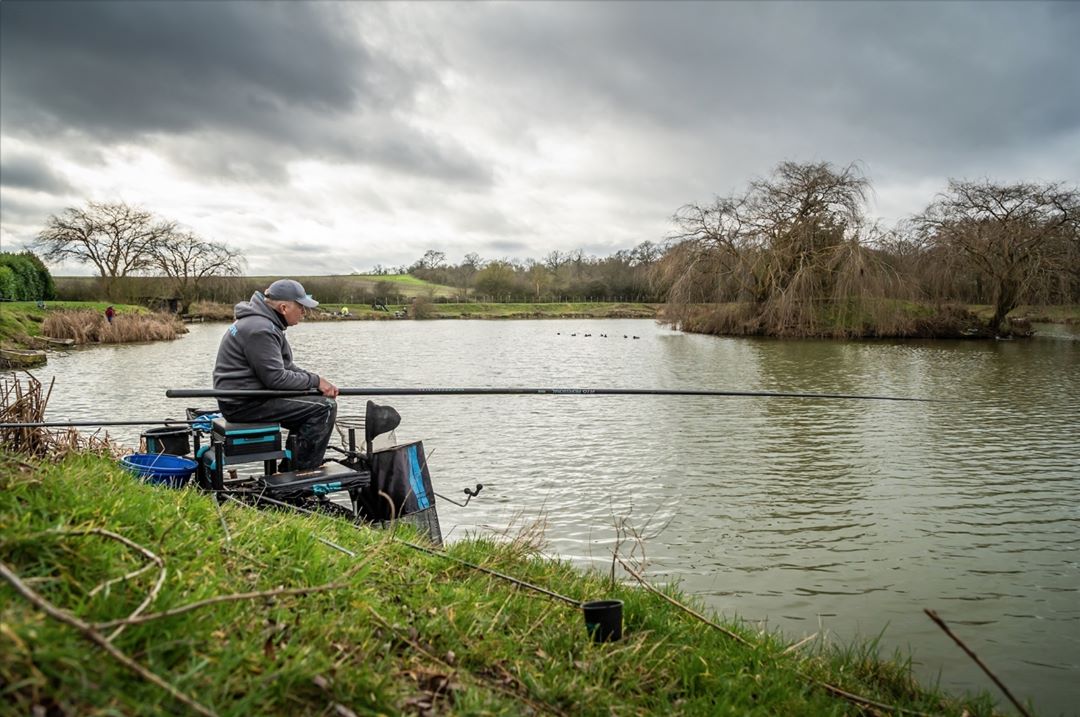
x,y
603,620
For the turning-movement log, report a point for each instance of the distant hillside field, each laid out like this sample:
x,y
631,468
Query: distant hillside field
x,y
401,284
405,284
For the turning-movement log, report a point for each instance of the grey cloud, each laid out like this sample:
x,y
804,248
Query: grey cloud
x,y
24,216
22,171
271,82
509,246
118,68
488,221
931,78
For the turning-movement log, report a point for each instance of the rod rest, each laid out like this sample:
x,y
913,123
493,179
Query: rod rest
x,y
327,478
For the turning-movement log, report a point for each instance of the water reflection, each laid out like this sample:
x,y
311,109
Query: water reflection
x,y
845,516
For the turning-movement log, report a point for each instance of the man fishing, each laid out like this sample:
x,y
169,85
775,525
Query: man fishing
x,y
254,354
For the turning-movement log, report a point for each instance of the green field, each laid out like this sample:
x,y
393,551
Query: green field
x,y
481,310
403,284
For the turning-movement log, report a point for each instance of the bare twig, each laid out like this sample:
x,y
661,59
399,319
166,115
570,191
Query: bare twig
x,y
112,581
800,643
221,517
151,596
831,688
684,608
495,573
1001,685
236,597
859,700
536,706
98,639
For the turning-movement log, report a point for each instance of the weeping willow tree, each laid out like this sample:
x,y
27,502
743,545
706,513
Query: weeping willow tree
x,y
792,256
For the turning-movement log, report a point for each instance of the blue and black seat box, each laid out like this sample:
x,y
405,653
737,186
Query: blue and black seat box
x,y
241,439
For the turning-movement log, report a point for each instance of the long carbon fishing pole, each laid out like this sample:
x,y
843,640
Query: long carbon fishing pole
x,y
264,394
65,424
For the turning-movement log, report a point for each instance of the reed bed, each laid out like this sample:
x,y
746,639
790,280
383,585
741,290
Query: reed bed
x,y
24,401
91,327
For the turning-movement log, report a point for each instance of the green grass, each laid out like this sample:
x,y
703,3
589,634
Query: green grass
x,y
148,286
433,310
407,630
599,310
1049,314
405,284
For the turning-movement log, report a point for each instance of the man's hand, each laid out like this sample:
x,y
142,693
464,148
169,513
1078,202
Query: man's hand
x,y
327,389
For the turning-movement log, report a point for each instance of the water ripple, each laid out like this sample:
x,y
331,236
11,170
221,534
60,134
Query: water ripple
x,y
854,515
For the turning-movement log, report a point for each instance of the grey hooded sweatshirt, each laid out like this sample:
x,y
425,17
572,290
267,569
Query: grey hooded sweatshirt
x,y
254,352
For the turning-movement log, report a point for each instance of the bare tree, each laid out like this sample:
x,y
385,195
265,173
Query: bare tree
x,y
1019,237
189,261
116,238
432,259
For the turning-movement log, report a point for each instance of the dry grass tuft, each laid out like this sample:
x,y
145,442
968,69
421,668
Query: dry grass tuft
x,y
88,327
25,402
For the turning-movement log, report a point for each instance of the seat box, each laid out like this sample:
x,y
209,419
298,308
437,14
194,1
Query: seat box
x,y
241,439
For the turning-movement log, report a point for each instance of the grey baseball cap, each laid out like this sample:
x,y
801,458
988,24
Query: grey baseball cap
x,y
290,290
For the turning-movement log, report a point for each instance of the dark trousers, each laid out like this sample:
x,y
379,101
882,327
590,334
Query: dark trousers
x,y
309,420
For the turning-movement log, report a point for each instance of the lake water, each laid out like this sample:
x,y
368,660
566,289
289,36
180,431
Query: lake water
x,y
844,518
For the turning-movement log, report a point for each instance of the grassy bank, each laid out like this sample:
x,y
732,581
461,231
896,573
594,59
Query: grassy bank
x,y
19,319
393,630
84,322
1054,314
570,310
885,318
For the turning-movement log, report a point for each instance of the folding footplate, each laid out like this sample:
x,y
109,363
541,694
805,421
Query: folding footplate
x,y
321,481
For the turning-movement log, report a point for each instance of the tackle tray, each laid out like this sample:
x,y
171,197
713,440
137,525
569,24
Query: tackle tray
x,y
246,438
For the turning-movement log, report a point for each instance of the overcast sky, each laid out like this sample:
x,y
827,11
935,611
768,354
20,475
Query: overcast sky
x,y
328,137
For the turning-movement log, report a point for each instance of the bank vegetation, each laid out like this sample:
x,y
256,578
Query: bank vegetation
x,y
794,255
24,323
122,598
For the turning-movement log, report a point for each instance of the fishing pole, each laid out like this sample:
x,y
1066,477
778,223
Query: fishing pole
x,y
265,394
66,424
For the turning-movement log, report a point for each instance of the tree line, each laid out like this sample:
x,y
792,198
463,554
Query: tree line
x,y
795,253
626,275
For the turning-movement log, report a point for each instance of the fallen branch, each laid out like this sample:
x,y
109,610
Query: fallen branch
x,y
1001,685
98,639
